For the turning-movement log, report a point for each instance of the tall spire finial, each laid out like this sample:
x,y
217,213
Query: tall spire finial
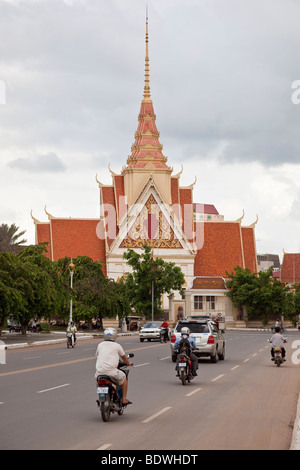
x,y
147,79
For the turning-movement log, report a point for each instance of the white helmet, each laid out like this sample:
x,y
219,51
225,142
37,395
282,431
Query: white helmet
x,y
185,331
110,334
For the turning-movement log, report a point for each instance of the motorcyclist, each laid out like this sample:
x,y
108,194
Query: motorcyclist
x,y
108,354
185,334
277,341
165,325
72,329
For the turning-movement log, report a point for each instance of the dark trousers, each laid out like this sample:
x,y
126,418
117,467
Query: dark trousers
x,y
194,360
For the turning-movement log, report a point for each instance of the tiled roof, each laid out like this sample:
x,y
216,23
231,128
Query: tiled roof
x,y
43,235
221,251
290,269
74,237
205,208
250,257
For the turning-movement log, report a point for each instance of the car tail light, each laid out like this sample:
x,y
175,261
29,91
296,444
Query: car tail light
x,y
210,340
173,338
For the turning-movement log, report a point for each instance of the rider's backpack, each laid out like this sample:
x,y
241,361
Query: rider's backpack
x,y
184,346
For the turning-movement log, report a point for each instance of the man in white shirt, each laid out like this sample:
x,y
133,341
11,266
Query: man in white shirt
x,y
108,356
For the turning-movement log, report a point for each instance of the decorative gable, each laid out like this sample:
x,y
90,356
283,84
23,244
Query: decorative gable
x,y
151,228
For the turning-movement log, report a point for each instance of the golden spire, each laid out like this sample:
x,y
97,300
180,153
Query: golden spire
x,y
147,79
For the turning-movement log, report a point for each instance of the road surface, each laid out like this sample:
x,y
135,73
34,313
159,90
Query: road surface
x,y
48,399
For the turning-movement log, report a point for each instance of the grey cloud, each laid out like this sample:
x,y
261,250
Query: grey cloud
x,y
48,163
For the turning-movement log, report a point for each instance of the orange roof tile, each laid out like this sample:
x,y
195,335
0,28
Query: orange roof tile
x,y
78,237
43,235
186,202
221,251
250,257
290,269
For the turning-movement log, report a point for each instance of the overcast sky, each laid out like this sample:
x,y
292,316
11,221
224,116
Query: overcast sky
x,y
224,83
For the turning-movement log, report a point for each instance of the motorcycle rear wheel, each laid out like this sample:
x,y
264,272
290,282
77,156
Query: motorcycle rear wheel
x,y
183,377
105,409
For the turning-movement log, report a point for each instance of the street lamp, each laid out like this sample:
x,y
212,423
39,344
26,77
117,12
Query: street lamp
x,y
71,269
153,268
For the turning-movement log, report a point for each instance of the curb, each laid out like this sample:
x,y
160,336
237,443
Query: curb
x,y
43,343
81,336
295,445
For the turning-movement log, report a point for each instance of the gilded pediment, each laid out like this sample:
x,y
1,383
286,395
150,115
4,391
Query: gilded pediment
x,y
151,228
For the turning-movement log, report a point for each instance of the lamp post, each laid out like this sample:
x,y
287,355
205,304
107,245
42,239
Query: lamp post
x,y
153,268
71,269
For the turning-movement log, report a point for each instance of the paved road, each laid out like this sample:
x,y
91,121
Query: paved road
x,y
47,399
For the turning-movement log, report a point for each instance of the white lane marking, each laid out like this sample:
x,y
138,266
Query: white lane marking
x,y
193,392
1,402
217,378
255,354
246,360
31,357
53,388
104,447
140,365
163,358
156,414
235,367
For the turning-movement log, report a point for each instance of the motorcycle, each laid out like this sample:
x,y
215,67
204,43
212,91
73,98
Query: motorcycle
x,y
110,394
163,335
14,328
278,359
184,368
35,329
70,340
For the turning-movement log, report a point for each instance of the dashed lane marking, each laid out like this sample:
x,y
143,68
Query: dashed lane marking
x,y
167,408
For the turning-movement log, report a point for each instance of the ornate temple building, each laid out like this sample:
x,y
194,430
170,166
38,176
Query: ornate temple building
x,y
146,204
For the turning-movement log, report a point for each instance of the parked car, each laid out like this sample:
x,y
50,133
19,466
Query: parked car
x,y
209,339
150,330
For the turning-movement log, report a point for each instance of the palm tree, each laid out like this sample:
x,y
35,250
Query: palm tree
x,y
9,238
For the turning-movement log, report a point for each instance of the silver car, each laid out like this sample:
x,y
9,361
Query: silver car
x,y
208,338
150,331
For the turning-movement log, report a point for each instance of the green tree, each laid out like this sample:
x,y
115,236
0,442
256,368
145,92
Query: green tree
x,y
292,306
149,272
11,298
40,283
269,297
10,238
241,285
94,296
30,286
261,293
